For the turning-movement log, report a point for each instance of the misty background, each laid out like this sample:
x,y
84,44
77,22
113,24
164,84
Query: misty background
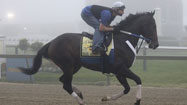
x,y
45,19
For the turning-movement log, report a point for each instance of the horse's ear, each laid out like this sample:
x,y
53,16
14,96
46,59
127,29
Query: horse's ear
x,y
153,12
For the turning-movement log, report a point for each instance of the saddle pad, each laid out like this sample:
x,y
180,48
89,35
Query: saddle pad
x,y
86,49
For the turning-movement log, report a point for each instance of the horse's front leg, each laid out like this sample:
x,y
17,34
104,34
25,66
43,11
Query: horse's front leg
x,y
125,84
129,74
123,74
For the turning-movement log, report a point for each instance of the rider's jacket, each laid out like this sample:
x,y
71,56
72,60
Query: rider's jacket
x,y
101,13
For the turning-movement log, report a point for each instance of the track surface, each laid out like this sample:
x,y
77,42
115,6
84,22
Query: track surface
x,y
42,94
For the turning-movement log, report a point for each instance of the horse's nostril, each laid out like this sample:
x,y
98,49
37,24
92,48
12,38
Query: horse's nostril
x,y
156,46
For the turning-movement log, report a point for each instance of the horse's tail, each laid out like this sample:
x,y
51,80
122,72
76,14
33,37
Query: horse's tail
x,y
37,61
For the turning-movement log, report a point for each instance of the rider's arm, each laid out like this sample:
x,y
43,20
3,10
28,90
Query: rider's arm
x,y
102,27
105,18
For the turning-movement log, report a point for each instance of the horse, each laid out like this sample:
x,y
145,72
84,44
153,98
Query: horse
x,y
64,51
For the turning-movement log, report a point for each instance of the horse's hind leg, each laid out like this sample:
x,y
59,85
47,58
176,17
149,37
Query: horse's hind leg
x,y
76,90
66,79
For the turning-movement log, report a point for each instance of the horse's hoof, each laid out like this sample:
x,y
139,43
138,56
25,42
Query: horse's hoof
x,y
82,104
80,95
106,98
137,102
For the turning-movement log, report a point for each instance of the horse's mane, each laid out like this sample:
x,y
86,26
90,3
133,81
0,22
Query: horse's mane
x,y
130,18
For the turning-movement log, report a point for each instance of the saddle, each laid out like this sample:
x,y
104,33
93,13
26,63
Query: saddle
x,y
104,59
107,38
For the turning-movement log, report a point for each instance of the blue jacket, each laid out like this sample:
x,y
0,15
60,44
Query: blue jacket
x,y
102,14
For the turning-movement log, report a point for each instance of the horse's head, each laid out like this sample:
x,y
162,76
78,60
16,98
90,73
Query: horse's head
x,y
144,24
148,29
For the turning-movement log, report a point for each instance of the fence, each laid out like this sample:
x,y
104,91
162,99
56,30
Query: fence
x,y
176,56
145,56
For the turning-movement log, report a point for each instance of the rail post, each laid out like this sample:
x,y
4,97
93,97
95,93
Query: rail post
x,y
144,59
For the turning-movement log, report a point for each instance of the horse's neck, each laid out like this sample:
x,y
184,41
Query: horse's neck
x,y
133,40
122,38
135,29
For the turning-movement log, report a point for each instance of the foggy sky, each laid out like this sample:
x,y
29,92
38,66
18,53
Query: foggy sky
x,y
47,11
41,11
185,11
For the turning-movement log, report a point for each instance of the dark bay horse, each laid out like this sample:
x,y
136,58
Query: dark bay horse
x,y
64,51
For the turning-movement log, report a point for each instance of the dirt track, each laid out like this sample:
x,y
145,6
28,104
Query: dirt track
x,y
40,94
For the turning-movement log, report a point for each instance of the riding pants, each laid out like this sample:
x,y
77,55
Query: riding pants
x,y
98,35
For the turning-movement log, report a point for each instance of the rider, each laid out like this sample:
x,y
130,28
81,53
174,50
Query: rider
x,y
100,17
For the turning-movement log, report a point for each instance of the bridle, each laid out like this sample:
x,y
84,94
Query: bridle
x,y
138,36
135,35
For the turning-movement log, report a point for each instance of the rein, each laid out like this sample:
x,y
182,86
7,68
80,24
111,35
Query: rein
x,y
135,35
138,36
138,48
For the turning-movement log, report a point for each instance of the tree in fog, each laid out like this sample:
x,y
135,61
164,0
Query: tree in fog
x,y
36,46
23,44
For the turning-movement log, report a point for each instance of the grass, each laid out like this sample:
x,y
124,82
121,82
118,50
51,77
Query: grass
x,y
159,73
163,73
47,77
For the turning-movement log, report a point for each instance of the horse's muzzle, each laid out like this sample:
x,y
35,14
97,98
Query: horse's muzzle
x,y
153,45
